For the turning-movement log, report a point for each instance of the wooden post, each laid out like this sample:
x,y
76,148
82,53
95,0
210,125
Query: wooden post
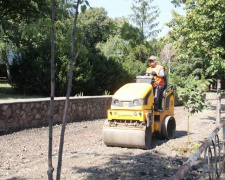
x,y
218,109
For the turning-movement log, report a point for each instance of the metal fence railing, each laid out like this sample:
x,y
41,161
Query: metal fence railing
x,y
214,153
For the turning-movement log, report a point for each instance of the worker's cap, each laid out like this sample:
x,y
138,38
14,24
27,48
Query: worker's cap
x,y
152,58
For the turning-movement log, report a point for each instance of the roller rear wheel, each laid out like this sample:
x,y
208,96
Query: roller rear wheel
x,y
168,127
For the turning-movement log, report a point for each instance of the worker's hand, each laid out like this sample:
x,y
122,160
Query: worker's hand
x,y
153,73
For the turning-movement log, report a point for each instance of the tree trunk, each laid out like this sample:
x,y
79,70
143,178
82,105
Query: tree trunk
x,y
8,68
168,57
218,108
50,167
188,128
7,62
67,96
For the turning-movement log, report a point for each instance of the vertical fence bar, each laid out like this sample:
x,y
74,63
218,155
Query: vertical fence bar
x,y
223,147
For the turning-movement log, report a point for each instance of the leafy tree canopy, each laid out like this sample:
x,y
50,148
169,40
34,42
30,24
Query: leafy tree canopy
x,y
203,33
144,16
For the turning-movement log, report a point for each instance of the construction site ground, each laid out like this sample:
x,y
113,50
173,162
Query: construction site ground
x,y
24,154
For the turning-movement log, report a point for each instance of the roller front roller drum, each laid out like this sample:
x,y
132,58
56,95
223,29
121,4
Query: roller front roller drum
x,y
135,138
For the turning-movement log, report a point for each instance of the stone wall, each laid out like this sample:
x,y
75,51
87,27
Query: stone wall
x,y
211,96
21,114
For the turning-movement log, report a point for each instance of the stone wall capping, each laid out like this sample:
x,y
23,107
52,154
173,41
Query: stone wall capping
x,y
10,101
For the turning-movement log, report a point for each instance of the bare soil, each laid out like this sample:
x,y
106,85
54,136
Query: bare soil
x,y
23,154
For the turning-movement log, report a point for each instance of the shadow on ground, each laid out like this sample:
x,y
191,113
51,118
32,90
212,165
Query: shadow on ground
x,y
148,165
16,178
160,141
213,107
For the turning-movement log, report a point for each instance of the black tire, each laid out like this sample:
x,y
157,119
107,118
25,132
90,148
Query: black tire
x,y
168,128
148,137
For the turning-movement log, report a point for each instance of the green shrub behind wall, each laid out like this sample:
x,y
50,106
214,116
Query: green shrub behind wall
x,y
31,71
3,72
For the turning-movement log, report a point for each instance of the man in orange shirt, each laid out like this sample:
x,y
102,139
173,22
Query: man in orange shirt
x,y
158,72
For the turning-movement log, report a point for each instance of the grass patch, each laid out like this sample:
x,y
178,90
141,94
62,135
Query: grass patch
x,y
187,149
7,92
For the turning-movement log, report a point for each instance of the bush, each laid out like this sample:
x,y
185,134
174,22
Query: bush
x,y
30,71
3,72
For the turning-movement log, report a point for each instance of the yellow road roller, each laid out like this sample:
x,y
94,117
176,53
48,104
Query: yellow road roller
x,y
132,120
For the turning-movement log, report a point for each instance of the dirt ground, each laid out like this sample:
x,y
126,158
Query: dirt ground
x,y
23,154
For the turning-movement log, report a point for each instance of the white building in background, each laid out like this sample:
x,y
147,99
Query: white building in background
x,y
10,56
5,66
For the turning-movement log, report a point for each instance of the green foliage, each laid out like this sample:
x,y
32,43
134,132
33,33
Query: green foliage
x,y
82,78
96,24
3,56
118,49
3,72
17,15
156,46
31,70
201,34
112,48
178,2
134,68
144,16
106,92
191,148
185,66
108,74
80,94
178,80
193,93
93,73
199,38
206,31
109,58
6,88
8,92
132,35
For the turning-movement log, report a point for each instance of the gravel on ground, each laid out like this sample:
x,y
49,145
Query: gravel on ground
x,y
24,154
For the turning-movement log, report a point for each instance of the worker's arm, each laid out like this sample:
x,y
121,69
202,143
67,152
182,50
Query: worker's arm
x,y
161,73
161,76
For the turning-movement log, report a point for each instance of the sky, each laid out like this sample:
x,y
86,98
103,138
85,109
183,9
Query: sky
x,y
119,8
